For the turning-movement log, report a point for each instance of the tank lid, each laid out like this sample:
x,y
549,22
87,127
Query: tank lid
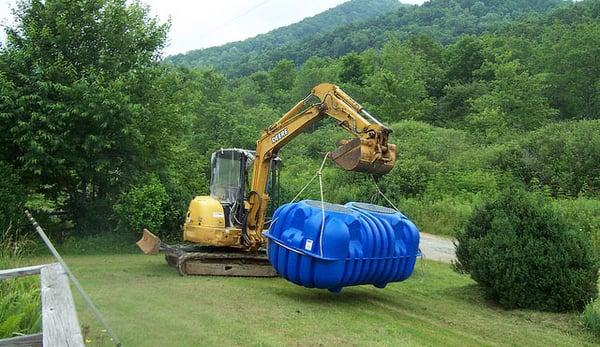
x,y
328,206
373,208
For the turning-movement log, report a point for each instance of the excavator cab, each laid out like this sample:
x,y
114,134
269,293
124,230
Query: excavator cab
x,y
218,219
229,172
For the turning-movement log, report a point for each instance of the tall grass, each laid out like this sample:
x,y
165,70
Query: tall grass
x,y
591,316
20,304
437,216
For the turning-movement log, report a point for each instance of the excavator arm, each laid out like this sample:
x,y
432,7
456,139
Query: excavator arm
x,y
368,151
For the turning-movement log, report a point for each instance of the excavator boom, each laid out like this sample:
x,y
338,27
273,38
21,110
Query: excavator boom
x,y
368,151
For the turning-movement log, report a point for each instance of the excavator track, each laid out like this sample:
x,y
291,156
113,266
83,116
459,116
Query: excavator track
x,y
211,261
208,261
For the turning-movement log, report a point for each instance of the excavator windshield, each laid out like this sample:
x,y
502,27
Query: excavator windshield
x,y
227,179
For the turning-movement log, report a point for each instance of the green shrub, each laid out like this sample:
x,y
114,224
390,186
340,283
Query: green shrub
x,y
562,158
142,206
458,183
12,199
591,316
584,215
19,298
434,144
409,177
437,216
522,254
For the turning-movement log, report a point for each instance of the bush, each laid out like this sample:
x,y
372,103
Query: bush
x,y
463,183
418,139
562,158
20,302
12,199
584,215
142,206
441,216
409,177
522,254
591,316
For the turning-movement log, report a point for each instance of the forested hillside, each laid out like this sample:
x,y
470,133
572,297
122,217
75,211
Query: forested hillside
x,y
249,55
443,20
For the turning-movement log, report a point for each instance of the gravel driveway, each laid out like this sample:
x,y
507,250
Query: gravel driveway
x,y
437,248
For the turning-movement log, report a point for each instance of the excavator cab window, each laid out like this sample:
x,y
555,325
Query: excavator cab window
x,y
227,178
231,170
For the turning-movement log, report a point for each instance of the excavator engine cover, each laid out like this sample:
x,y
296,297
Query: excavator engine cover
x,y
363,155
358,244
205,224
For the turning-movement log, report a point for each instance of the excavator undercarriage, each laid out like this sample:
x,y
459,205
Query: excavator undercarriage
x,y
190,259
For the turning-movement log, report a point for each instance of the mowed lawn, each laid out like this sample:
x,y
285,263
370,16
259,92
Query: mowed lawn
x,y
149,304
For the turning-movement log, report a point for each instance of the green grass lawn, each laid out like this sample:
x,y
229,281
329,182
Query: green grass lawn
x,y
149,304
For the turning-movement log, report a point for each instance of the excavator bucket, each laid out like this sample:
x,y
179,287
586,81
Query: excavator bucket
x,y
364,155
149,243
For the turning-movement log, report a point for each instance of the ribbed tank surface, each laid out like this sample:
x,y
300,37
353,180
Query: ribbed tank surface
x,y
357,244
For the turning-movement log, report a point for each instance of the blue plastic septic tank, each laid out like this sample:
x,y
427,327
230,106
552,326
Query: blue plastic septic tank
x,y
360,244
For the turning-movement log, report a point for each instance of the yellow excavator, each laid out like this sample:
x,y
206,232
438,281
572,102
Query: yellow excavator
x,y
225,228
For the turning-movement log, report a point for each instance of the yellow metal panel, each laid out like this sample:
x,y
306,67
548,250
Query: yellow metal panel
x,y
205,211
219,237
205,224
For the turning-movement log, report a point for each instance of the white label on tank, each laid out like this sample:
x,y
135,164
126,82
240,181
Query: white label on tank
x,y
218,214
308,245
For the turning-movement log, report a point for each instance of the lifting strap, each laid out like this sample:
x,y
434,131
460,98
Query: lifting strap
x,y
318,174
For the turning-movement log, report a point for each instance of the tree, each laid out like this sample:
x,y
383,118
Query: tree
x,y
86,114
12,199
560,158
314,71
353,70
397,91
464,58
283,75
432,53
575,72
515,101
455,104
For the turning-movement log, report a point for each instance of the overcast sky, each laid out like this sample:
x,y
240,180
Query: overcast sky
x,y
205,23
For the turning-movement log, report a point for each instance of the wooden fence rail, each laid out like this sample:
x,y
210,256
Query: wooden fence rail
x,y
60,326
